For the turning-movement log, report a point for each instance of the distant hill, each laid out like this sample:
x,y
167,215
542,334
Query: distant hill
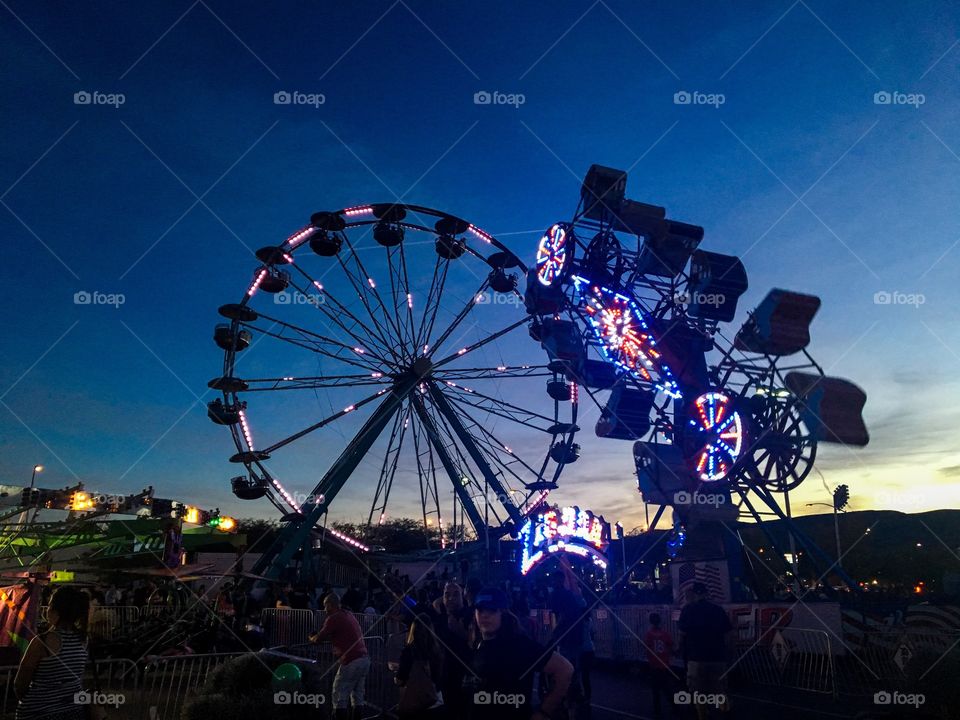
x,y
881,545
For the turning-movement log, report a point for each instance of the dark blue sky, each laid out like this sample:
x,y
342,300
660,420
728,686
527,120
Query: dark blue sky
x,y
819,187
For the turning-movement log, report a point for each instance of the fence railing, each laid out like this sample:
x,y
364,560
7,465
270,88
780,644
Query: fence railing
x,y
382,694
805,659
789,657
166,683
894,658
286,627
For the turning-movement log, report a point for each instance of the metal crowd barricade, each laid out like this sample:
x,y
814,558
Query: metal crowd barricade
x,y
618,630
167,682
285,626
154,611
789,657
889,658
107,622
288,627
382,693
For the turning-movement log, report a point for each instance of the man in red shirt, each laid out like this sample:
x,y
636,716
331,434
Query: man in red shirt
x,y
343,631
659,646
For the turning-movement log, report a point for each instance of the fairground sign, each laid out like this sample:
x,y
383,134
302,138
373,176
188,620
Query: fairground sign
x,y
567,530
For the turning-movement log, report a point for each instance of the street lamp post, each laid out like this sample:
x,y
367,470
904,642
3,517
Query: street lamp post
x,y
33,476
623,546
841,498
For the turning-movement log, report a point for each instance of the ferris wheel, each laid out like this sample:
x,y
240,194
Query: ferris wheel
x,y
379,354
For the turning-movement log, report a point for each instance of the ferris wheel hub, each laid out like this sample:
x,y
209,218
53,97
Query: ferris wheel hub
x,y
420,368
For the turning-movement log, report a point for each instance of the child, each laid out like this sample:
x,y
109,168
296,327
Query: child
x,y
659,646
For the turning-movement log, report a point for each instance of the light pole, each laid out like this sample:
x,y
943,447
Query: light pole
x,y
841,498
33,476
623,546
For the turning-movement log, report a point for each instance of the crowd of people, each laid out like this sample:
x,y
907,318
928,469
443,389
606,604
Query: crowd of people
x,y
470,652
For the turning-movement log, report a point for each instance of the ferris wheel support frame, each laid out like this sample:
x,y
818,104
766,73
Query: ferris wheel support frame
x,y
443,405
476,519
297,532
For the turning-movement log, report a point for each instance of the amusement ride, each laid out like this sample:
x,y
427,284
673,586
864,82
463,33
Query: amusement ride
x,y
390,343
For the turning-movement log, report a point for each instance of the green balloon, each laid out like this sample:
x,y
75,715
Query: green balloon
x,y
286,677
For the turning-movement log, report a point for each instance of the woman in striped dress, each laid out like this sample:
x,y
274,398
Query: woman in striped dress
x,y
50,679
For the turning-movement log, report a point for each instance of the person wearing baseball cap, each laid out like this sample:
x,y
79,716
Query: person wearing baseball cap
x,y
504,663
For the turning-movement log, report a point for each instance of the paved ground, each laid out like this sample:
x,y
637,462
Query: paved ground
x,y
621,695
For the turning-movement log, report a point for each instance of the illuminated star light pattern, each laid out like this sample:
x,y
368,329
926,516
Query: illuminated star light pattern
x,y
618,322
722,428
552,254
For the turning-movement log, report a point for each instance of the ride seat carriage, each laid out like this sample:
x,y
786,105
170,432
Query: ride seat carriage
x,y
780,325
831,407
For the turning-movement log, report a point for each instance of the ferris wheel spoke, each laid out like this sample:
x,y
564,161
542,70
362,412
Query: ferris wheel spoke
x,y
356,361
369,284
459,318
373,335
372,338
407,300
426,474
527,416
309,334
326,421
432,305
493,442
466,439
479,488
493,373
313,383
449,466
479,344
388,468
360,288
